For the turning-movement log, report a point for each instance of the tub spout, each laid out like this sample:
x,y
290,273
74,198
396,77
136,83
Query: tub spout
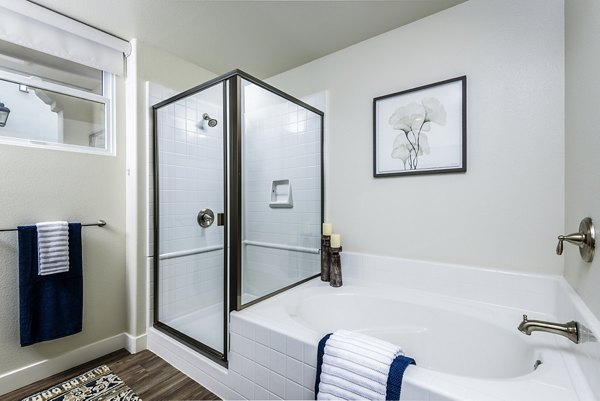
x,y
569,329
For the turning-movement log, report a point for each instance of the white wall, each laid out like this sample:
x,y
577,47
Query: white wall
x,y
582,140
41,185
506,211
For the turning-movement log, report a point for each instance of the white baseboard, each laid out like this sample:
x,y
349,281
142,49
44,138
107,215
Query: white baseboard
x,y
25,375
136,344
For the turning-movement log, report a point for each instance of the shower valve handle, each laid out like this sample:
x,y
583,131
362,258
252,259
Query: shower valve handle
x,y
585,239
576,238
205,218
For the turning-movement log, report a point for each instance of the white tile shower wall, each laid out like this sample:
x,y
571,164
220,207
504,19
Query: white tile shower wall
x,y
156,94
268,270
190,173
281,141
190,283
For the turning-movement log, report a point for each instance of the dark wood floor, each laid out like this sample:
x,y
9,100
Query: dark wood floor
x,y
148,375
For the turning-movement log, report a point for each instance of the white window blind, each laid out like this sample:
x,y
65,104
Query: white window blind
x,y
37,28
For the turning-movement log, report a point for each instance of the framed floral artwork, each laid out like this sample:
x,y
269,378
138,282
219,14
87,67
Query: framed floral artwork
x,y
421,130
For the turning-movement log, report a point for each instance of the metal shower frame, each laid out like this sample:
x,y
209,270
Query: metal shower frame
x,y
232,176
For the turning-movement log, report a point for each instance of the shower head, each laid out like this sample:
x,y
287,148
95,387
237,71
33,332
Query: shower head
x,y
211,121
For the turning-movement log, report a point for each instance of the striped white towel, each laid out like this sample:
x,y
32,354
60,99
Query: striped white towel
x,y
355,367
53,247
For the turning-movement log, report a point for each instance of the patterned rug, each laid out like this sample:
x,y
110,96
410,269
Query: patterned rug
x,y
99,384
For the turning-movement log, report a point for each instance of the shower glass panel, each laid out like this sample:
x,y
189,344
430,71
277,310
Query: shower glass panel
x,y
238,204
190,134
281,191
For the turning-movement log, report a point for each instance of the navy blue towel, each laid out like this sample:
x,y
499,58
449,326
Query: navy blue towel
x,y
394,382
320,353
50,306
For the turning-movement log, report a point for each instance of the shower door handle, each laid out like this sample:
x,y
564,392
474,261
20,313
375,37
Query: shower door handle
x,y
205,218
220,219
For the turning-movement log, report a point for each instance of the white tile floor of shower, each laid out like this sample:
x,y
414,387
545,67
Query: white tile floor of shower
x,y
204,325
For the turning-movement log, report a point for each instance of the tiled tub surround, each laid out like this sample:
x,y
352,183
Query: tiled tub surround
x,y
273,344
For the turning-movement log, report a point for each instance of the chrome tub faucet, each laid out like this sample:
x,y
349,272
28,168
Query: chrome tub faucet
x,y
569,329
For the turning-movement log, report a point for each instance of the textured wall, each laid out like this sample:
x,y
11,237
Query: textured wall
x,y
506,211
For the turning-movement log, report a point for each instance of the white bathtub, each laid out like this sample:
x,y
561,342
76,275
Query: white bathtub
x,y
460,324
464,338
443,334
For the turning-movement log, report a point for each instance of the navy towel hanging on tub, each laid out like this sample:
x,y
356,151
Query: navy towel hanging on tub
x,y
50,306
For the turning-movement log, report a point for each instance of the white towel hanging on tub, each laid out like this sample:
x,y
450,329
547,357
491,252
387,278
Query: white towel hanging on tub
x,y
354,366
53,247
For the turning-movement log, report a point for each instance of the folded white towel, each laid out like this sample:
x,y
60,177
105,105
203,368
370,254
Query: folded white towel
x,y
346,379
329,391
368,373
355,367
53,247
359,354
367,341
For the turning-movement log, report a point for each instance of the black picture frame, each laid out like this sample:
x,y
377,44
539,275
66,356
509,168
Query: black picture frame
x,y
400,138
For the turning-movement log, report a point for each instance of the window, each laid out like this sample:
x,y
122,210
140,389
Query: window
x,y
55,103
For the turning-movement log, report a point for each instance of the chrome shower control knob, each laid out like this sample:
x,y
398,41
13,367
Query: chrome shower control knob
x,y
205,218
585,239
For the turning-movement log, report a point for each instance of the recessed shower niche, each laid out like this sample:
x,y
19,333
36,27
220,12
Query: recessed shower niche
x,y
228,230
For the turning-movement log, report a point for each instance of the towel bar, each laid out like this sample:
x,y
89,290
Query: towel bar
x,y
99,223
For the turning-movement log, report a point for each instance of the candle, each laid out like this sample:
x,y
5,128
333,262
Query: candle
x,y
335,240
327,228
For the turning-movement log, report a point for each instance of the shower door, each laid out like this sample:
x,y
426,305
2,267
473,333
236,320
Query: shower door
x,y
190,206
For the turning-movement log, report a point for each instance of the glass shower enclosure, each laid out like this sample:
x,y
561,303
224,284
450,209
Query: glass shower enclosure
x,y
238,204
